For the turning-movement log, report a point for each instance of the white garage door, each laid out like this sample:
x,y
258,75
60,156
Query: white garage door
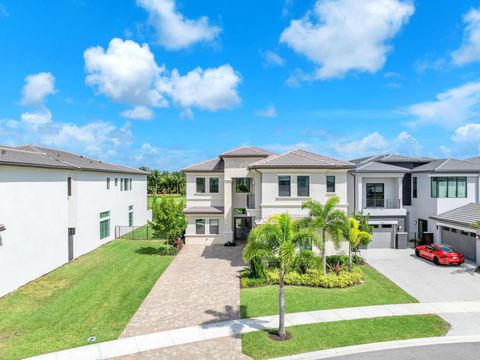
x,y
382,238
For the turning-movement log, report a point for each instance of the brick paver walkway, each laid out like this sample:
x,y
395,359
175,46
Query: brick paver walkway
x,y
201,286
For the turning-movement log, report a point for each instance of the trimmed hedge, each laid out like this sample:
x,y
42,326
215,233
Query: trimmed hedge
x,y
343,260
317,279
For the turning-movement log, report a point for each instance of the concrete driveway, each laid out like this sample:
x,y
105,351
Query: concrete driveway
x,y
428,282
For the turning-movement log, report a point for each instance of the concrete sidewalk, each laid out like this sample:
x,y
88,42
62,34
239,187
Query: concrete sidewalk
x,y
194,334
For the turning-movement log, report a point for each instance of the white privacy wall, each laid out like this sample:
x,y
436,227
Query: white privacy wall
x,y
37,212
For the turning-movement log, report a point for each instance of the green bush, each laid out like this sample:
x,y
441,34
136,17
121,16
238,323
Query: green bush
x,y
317,279
247,281
169,250
307,260
343,260
257,269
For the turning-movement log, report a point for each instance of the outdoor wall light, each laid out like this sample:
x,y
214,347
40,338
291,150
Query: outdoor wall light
x,y
399,227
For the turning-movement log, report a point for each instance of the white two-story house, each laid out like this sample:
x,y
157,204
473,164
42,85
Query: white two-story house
x,y
228,195
56,206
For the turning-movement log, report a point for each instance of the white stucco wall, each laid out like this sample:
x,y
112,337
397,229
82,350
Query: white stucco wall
x,y
203,239
207,198
37,213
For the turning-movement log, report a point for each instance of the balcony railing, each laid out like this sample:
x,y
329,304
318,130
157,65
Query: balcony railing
x,y
251,201
381,203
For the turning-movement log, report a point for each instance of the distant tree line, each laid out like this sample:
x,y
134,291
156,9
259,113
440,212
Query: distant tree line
x,y
165,182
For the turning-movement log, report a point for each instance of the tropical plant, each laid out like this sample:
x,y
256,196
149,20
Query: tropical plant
x,y
168,218
307,260
354,235
277,238
325,220
364,226
152,181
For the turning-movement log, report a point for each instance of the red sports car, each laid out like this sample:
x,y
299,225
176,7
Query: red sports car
x,y
440,254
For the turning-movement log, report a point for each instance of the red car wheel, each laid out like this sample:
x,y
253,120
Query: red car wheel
x,y
435,261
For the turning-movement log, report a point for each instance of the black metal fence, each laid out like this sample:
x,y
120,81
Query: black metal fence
x,y
137,233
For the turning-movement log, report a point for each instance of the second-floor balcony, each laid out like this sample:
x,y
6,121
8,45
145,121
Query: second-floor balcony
x,y
381,204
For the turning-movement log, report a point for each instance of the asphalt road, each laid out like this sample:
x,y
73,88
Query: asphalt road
x,y
465,351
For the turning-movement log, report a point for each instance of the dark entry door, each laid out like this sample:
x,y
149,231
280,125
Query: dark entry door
x,y
71,233
422,228
243,225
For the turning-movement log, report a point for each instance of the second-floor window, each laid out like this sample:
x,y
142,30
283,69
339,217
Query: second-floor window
x,y
242,185
69,186
214,185
200,185
414,186
449,187
331,184
108,183
303,185
284,186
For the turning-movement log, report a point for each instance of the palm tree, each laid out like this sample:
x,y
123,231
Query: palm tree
x,y
177,178
354,236
152,181
277,238
165,182
326,220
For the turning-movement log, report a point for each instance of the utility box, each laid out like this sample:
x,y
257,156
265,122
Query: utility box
x,y
402,240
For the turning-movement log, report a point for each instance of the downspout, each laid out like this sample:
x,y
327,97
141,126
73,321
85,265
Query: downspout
x,y
354,192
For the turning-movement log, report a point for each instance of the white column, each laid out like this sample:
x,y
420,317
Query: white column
x,y
227,201
359,187
400,191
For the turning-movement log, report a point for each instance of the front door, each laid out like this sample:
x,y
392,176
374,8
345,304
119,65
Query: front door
x,y
243,225
422,228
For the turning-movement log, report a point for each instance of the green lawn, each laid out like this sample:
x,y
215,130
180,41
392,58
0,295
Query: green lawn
x,y
314,337
95,295
176,197
375,290
143,233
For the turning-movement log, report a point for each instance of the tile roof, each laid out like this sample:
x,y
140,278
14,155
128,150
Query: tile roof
x,y
204,210
375,166
247,151
463,215
448,165
212,165
298,159
36,156
475,160
392,158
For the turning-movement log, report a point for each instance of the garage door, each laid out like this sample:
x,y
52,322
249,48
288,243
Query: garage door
x,y
382,238
466,244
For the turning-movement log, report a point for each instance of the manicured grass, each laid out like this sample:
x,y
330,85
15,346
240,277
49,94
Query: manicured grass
x,y
375,290
175,197
95,295
143,233
315,337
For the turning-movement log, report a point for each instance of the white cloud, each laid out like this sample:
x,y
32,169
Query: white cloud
x,y
469,51
175,31
451,108
272,58
344,35
126,72
139,113
41,117
267,112
37,87
210,89
375,143
467,133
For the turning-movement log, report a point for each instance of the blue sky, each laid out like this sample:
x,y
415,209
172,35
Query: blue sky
x,y
166,83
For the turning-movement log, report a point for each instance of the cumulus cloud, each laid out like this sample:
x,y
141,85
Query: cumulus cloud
x,y
375,143
344,35
269,111
37,87
272,58
174,30
467,133
451,108
40,117
138,113
128,73
469,51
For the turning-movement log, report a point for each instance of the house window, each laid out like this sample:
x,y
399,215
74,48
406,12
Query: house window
x,y
331,184
242,185
200,226
451,187
303,185
121,184
130,215
116,182
200,185
108,183
414,186
104,224
214,185
69,186
375,195
131,181
239,211
214,226
284,186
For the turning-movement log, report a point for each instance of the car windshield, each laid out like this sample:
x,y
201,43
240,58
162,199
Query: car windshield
x,y
447,249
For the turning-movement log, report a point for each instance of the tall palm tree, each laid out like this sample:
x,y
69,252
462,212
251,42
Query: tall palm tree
x,y
326,220
177,178
354,236
277,238
165,182
153,179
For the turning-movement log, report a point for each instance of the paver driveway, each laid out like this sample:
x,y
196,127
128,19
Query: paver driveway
x,y
200,286
428,282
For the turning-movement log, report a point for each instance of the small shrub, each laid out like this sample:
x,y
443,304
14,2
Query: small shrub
x,y
306,260
317,279
247,281
168,250
477,270
343,260
335,268
257,269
